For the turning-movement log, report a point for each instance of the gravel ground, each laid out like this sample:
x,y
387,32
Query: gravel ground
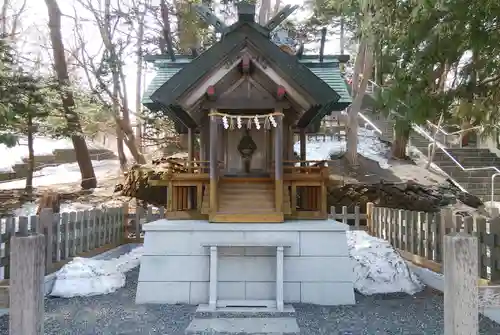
x,y
117,314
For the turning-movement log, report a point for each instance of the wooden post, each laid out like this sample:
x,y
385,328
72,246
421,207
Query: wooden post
x,y
213,164
460,284
190,166
290,143
190,148
204,140
369,217
27,285
46,225
125,227
302,139
278,164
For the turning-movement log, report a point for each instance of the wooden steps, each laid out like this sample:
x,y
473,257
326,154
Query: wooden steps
x,y
246,201
269,217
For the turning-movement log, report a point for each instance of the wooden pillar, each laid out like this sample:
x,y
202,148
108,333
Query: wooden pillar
x,y
278,163
190,148
302,145
213,164
205,142
190,193
291,155
460,284
26,309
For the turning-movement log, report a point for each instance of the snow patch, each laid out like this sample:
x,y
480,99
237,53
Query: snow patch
x,y
41,146
85,277
369,146
65,174
378,268
30,208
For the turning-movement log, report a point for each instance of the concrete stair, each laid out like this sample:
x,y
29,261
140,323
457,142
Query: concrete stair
x,y
476,182
243,321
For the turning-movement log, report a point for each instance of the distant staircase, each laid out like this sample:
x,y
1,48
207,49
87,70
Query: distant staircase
x,y
476,182
248,200
57,157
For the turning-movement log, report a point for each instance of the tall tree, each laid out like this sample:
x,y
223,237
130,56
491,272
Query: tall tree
x,y
446,62
140,10
10,18
115,44
27,102
82,153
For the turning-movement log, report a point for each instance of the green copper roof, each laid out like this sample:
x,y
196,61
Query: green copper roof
x,y
163,73
328,71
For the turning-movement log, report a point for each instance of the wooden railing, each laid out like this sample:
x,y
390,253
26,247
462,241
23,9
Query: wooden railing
x,y
184,166
303,167
78,233
418,236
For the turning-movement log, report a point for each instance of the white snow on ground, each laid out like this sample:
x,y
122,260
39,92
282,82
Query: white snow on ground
x,y
369,146
378,268
86,277
65,173
42,146
30,208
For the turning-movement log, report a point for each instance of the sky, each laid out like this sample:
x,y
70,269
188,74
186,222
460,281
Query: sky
x,y
36,21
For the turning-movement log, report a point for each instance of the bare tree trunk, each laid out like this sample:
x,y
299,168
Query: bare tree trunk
x,y
188,40
104,25
138,82
365,61
434,142
31,158
465,136
265,8
401,135
276,8
3,18
14,19
342,37
167,33
120,149
82,153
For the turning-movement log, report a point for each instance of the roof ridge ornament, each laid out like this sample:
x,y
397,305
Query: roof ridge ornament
x,y
206,15
246,13
281,16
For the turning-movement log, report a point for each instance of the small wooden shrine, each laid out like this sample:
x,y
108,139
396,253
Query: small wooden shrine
x,y
244,100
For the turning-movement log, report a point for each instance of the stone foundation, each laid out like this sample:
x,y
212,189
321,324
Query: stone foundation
x,y
175,266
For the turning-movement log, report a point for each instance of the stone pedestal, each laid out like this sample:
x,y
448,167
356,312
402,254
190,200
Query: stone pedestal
x,y
175,267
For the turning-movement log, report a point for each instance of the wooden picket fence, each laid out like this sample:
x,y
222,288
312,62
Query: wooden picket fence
x,y
419,236
72,234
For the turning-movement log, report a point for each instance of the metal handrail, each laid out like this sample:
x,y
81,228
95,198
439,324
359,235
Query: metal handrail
x,y
424,133
452,134
370,123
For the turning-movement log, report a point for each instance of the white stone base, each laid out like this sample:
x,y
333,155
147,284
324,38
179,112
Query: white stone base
x,y
175,265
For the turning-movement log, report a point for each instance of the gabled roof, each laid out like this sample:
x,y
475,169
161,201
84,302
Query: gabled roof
x,y
241,34
328,71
